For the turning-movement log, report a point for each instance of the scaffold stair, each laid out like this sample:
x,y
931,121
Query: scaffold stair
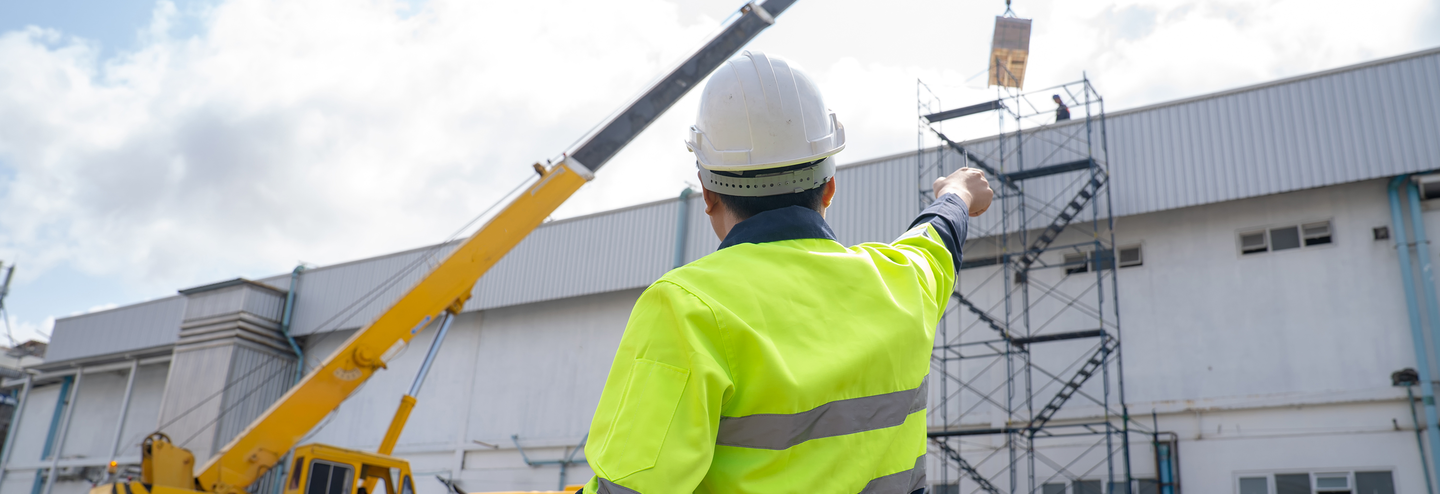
x,y
1061,221
979,163
1072,386
965,466
984,317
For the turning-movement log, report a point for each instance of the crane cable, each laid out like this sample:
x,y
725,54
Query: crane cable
x,y
331,325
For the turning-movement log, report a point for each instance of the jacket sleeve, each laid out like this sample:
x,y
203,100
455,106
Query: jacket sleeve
x,y
937,236
654,429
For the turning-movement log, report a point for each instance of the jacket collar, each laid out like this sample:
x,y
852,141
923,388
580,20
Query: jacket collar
x,y
789,223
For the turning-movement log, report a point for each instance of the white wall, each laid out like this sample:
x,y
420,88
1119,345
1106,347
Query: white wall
x,y
535,371
91,432
1288,353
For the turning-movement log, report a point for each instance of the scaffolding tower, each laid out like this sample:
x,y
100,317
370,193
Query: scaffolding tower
x,y
1028,391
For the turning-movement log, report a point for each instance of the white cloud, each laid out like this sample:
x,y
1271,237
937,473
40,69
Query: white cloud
x,y
98,308
325,129
329,130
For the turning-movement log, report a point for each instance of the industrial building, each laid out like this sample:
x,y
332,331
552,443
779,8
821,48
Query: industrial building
x,y
1260,285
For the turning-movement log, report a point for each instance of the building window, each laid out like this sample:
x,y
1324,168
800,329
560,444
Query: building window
x,y
1077,262
1052,489
1285,238
1318,483
1131,256
1292,483
1086,487
1380,482
1429,189
979,262
1316,233
1332,482
1254,485
1253,243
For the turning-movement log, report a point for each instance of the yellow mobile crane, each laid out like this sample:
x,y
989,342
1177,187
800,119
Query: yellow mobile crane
x,y
322,469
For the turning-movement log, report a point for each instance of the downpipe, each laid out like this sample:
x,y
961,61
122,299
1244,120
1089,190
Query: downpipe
x,y
1422,362
682,227
285,324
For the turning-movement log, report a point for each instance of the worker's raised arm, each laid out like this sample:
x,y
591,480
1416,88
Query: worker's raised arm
x,y
655,427
938,232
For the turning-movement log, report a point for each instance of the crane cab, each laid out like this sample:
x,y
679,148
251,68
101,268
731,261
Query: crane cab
x,y
323,469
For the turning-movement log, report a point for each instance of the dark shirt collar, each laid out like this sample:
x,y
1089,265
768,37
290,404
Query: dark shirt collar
x,y
789,223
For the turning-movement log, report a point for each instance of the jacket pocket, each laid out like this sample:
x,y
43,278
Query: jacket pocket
x,y
646,410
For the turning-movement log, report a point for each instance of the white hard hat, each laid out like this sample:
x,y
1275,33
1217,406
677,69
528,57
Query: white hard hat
x,y
761,112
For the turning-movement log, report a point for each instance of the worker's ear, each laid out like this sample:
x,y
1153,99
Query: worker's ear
x,y
713,205
829,193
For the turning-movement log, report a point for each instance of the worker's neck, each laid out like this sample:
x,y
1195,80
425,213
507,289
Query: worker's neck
x,y
723,220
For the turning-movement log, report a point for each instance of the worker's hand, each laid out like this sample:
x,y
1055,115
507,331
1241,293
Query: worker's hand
x,y
970,185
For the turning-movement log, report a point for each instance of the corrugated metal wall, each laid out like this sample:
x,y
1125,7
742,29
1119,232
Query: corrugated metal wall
x,y
1377,120
324,296
189,409
1368,121
599,253
251,392
133,327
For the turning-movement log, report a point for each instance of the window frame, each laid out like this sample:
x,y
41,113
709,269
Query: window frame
x,y
1314,475
1240,242
1082,266
1265,230
1349,481
1329,234
1426,184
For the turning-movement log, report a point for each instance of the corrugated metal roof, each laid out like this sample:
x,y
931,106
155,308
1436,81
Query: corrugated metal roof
x,y
1372,120
1366,121
129,328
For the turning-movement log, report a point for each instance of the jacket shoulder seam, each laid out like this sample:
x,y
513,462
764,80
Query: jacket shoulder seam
x,y
714,318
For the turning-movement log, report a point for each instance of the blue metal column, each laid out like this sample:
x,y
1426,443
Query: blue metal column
x,y
15,417
55,419
1422,361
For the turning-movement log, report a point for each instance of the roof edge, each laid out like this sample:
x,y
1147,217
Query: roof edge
x,y
1280,82
166,298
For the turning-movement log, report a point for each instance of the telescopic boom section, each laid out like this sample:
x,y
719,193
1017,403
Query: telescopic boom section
x,y
278,430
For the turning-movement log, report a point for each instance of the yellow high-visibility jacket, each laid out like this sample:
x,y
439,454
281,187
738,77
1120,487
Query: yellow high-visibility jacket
x,y
783,362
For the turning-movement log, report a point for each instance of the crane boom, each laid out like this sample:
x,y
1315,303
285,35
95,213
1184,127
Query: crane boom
x,y
278,429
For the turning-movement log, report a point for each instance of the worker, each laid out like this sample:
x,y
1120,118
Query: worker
x,y
784,361
1062,112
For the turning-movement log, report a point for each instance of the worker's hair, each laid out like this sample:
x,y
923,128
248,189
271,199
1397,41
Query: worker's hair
x,y
746,207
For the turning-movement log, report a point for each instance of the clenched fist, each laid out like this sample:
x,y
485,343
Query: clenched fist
x,y
970,185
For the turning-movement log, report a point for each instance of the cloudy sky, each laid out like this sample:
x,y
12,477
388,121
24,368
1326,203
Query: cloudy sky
x,y
150,146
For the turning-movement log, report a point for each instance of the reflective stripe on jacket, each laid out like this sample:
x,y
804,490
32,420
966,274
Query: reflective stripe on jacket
x,y
783,362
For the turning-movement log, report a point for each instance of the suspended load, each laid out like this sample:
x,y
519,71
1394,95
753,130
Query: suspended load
x,y
1009,51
